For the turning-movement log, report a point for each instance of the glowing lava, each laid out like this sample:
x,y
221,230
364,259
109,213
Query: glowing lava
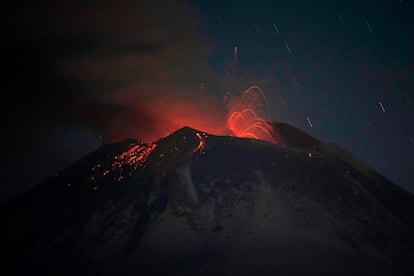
x,y
134,157
201,144
247,116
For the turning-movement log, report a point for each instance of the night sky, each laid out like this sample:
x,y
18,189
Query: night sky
x,y
79,75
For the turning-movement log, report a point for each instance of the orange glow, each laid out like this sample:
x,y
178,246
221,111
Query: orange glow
x,y
201,144
134,157
123,164
244,115
247,116
159,117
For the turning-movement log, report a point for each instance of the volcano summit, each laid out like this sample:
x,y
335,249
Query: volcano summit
x,y
197,204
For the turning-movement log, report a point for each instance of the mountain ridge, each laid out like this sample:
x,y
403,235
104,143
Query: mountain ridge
x,y
192,202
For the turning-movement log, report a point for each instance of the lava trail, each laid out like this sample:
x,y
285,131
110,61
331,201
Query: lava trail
x,y
247,116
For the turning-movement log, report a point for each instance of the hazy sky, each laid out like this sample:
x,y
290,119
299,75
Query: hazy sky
x,y
82,74
344,67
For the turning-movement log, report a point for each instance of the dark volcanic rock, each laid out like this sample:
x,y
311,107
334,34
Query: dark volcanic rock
x,y
227,207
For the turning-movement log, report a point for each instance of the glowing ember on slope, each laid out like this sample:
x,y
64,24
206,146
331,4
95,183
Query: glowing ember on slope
x,y
247,116
124,164
132,159
201,144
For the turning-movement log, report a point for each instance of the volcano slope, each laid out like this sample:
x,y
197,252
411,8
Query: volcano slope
x,y
198,204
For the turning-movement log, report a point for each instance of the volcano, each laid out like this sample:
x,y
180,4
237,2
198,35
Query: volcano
x,y
198,204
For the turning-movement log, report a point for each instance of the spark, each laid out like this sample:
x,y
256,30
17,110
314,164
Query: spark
x,y
247,116
369,27
287,47
309,122
201,144
137,154
234,69
382,107
276,29
130,160
340,18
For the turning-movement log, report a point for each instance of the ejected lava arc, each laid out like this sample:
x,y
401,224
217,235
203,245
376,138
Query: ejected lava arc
x,y
243,114
247,116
